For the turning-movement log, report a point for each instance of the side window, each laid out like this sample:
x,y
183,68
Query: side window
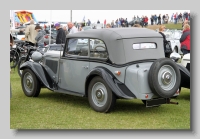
x,y
98,49
77,47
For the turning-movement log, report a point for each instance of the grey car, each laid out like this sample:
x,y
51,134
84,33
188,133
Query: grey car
x,y
105,65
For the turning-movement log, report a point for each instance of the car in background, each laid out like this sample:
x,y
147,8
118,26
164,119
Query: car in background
x,y
87,27
173,36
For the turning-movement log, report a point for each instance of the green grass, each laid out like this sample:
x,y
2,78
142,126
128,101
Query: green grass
x,y
52,110
168,26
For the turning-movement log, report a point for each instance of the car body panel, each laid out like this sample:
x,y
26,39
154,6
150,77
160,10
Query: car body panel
x,y
73,75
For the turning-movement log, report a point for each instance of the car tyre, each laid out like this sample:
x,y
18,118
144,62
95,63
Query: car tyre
x,y
164,78
30,83
21,61
100,96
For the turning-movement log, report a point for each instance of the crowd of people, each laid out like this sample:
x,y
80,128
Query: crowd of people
x,y
154,19
34,34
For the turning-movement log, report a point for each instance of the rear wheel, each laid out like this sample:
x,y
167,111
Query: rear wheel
x,y
30,83
164,78
100,96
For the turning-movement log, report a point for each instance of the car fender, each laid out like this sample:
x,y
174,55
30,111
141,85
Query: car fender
x,y
185,76
40,72
118,88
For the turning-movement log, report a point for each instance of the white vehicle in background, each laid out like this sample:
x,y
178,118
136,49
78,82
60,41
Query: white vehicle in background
x,y
185,61
173,36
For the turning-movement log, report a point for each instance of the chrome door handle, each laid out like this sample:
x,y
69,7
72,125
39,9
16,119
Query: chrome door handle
x,y
86,67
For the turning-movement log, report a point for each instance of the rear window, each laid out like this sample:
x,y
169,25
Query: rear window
x,y
139,46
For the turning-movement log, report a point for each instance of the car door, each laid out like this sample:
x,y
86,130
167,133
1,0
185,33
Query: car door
x,y
74,66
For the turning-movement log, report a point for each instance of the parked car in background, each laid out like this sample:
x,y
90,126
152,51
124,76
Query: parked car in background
x,y
173,36
104,65
87,27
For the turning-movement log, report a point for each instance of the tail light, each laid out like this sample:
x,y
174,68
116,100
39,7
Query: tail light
x,y
45,44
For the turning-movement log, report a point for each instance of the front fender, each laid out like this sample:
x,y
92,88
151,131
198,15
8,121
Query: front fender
x,y
116,86
185,76
40,72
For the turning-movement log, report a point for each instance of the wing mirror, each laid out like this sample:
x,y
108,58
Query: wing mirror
x,y
175,56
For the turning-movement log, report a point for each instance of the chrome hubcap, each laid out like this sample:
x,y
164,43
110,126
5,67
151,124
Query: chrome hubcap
x,y
99,94
166,78
28,82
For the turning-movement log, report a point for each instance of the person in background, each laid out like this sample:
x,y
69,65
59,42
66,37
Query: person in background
x,y
166,18
11,41
155,19
159,19
65,30
108,26
167,51
152,19
72,28
172,17
98,22
112,23
119,23
40,36
185,22
31,33
163,19
185,39
61,37
116,22
89,22
175,18
81,27
104,23
146,21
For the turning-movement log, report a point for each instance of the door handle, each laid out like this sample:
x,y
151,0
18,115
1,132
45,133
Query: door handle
x,y
86,67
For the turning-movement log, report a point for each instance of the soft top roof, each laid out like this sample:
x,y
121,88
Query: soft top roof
x,y
117,33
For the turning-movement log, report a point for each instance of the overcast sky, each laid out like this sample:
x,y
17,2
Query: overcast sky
x,y
94,15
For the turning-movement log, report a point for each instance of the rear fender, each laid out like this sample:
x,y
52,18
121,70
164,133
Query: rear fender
x,y
118,88
185,76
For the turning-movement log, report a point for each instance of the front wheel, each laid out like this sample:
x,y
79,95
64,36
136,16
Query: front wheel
x,y
30,83
100,96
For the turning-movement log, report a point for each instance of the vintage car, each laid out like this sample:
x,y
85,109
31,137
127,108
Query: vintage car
x,y
104,65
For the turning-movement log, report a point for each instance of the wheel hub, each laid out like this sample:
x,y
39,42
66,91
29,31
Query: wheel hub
x,y
29,82
166,78
100,94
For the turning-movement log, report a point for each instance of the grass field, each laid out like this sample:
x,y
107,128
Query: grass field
x,y
57,111
168,26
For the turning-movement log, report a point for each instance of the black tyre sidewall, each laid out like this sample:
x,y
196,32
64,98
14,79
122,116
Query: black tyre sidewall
x,y
153,78
36,91
111,97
